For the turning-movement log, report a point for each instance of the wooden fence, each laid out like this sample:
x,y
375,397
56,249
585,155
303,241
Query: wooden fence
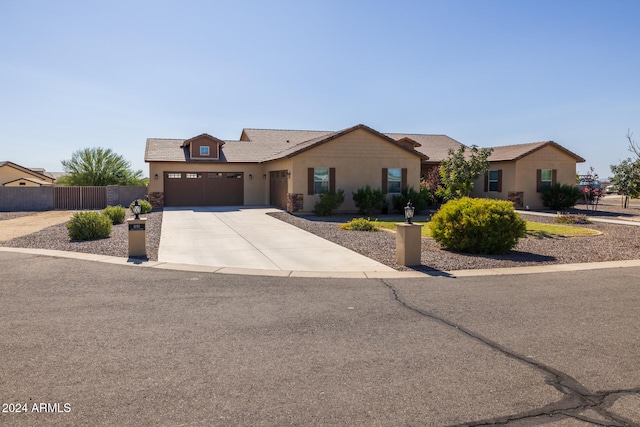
x,y
67,198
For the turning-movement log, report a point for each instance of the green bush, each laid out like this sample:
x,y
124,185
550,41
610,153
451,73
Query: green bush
x,y
419,200
145,206
329,202
480,226
89,226
360,224
368,200
561,196
115,213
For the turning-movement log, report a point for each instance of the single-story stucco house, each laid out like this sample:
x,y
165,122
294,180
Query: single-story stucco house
x,y
14,175
289,169
521,172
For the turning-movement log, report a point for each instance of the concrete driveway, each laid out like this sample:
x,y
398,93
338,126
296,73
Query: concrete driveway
x,y
246,237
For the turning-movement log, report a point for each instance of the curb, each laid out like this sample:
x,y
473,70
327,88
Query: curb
x,y
135,262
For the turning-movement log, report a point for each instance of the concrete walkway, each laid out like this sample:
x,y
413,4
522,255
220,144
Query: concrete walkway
x,y
248,238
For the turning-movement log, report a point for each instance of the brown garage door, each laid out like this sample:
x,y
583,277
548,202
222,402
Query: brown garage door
x,y
278,189
203,188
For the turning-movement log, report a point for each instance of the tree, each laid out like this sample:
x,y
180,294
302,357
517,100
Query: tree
x,y
458,171
626,174
99,166
626,177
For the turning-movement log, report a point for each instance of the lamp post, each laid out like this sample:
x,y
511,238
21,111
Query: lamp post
x,y
409,210
137,209
408,239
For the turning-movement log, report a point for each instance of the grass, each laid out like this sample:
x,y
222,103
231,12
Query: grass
x,y
534,229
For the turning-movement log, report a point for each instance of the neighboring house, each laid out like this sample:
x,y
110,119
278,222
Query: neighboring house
x,y
284,168
521,172
13,175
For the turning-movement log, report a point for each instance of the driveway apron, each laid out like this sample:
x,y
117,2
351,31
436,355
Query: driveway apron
x,y
246,237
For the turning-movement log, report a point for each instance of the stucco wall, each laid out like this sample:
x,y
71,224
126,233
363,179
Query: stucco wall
x,y
520,176
359,158
8,173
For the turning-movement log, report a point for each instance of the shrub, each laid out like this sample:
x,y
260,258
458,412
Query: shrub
x,y
329,202
145,206
89,226
478,226
572,219
419,200
368,200
360,224
561,196
115,213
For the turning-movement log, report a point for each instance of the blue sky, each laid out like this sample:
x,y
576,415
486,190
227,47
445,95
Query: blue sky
x,y
77,74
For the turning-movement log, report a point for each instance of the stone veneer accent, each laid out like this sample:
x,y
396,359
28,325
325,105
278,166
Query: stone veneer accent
x,y
517,198
294,202
156,199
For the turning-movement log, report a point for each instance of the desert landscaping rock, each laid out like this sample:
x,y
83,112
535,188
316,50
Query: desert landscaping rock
x,y
57,238
615,243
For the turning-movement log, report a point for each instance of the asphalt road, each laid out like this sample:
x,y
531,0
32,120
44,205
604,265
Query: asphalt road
x,y
86,343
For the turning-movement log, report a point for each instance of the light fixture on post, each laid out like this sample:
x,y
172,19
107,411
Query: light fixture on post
x,y
409,210
136,209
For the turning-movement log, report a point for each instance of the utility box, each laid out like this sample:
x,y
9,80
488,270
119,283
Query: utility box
x,y
137,237
408,244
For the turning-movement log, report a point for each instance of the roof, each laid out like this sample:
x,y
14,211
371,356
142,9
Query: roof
x,y
263,145
518,151
172,150
435,146
35,181
294,149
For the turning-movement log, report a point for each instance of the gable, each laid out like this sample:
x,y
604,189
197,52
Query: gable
x,y
203,147
10,172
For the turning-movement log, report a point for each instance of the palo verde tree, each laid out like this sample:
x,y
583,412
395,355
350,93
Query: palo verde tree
x,y
99,167
459,170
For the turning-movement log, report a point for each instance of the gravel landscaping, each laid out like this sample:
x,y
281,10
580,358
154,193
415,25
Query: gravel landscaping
x,y
617,242
57,238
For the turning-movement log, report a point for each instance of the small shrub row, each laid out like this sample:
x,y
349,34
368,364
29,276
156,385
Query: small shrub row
x,y
368,200
360,224
115,213
98,225
561,196
145,206
329,202
419,199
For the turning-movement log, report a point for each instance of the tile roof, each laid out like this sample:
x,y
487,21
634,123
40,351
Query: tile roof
x,y
35,172
435,146
518,151
281,135
172,150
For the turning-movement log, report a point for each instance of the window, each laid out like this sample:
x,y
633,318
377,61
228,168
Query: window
x,y
320,180
546,179
394,180
174,175
215,175
494,177
194,175
204,150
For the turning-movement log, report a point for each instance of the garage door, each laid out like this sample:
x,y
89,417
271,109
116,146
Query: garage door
x,y
278,189
203,189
